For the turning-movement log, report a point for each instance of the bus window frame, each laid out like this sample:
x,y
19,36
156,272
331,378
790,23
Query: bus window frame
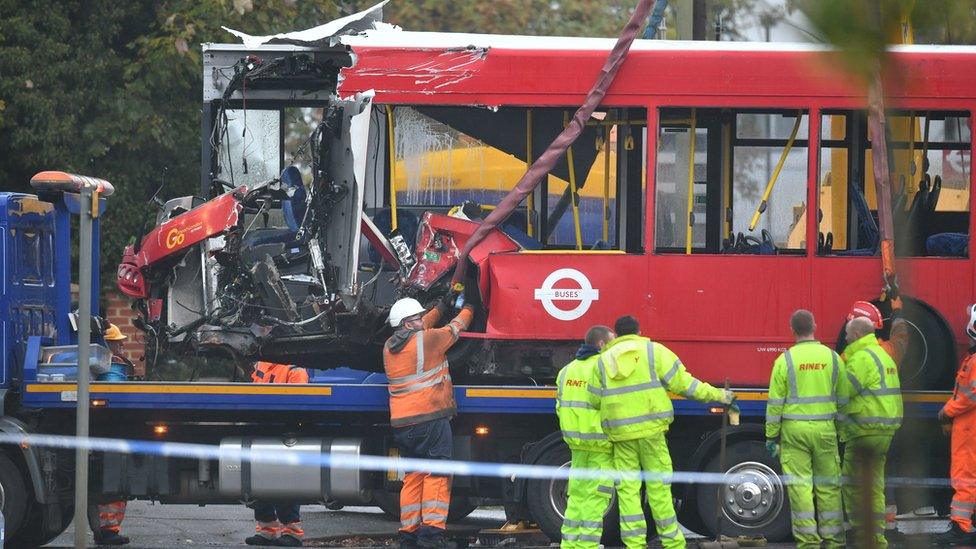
x,y
894,108
210,156
784,105
624,232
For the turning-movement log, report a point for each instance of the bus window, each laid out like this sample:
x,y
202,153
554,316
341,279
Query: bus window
x,y
747,181
446,156
681,132
252,150
930,163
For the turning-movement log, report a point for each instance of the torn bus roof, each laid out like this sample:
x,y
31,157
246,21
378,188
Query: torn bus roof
x,y
326,34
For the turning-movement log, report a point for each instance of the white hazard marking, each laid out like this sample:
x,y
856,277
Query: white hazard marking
x,y
585,295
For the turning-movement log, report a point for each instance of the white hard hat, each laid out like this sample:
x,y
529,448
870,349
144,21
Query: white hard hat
x,y
404,308
971,325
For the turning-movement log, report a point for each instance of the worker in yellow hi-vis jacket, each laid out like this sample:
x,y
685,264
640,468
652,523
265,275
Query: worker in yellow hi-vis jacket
x,y
580,424
800,416
630,386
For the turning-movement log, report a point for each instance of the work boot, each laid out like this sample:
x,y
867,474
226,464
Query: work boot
x,y
894,535
437,541
288,540
258,539
408,541
108,537
954,536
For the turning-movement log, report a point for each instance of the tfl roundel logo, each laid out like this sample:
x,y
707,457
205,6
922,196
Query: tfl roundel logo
x,y
583,294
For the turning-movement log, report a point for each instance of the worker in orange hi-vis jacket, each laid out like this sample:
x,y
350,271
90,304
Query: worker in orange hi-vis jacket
x,y
897,347
897,343
278,524
421,408
112,513
961,411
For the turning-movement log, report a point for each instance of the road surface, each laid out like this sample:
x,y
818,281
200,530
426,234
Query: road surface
x,y
225,526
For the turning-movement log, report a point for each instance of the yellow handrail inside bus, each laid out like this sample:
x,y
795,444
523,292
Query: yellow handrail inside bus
x,y
572,190
393,197
691,180
606,184
530,202
775,175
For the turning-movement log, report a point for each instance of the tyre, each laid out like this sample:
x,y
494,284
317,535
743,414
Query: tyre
x,y
754,502
38,529
13,497
389,503
930,363
546,499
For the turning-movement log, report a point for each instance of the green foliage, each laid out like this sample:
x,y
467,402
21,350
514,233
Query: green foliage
x,y
112,89
531,17
862,29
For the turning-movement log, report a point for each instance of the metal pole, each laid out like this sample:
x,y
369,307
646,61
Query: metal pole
x,y
84,339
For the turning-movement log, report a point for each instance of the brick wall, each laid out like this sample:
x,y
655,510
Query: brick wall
x,y
118,312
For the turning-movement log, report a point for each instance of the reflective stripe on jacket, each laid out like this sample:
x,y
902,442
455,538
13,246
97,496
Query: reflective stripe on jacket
x,y
630,388
579,420
269,372
804,385
419,377
870,402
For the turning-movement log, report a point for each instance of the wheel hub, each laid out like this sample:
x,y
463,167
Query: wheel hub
x,y
753,495
559,491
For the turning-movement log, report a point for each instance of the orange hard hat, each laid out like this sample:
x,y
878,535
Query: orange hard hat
x,y
113,333
868,311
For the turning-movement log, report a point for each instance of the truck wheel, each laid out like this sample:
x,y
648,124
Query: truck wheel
x,y
930,363
754,502
546,499
13,496
389,503
36,531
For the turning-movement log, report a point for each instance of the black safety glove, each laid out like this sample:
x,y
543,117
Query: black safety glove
x,y
447,302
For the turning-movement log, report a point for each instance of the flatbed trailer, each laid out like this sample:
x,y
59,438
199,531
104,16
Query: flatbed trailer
x,y
495,424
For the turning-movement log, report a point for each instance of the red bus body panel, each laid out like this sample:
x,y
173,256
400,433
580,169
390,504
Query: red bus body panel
x,y
726,316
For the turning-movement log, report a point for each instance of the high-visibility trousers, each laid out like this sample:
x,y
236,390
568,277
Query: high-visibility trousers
x,y
811,461
111,515
866,455
278,519
587,502
425,498
963,471
649,455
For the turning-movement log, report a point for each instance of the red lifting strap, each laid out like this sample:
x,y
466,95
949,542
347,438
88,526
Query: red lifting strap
x,y
70,183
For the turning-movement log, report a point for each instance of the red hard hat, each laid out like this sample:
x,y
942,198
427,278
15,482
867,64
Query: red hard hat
x,y
868,311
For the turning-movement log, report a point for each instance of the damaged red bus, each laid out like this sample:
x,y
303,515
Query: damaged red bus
x,y
718,188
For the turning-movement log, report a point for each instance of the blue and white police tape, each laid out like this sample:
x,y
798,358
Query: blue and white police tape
x,y
363,462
